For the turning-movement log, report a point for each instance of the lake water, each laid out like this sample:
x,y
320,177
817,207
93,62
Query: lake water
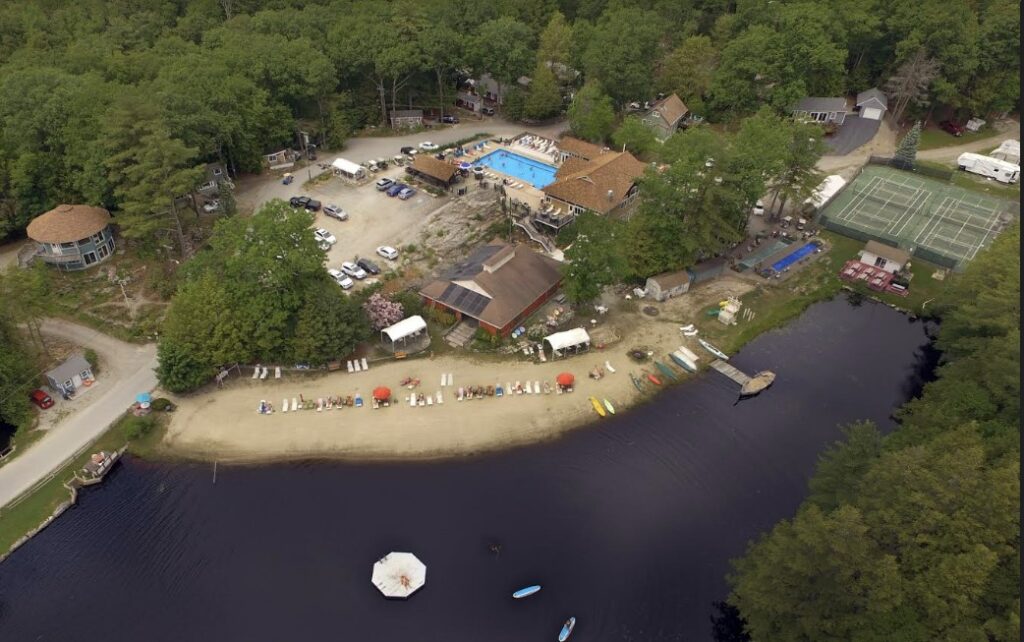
x,y
628,524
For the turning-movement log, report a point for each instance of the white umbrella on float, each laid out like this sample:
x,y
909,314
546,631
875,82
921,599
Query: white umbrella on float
x,y
399,575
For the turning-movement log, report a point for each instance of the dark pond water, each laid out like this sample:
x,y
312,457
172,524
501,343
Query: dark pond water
x,y
628,525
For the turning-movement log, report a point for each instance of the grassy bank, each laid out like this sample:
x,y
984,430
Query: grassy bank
x,y
976,183
937,138
32,510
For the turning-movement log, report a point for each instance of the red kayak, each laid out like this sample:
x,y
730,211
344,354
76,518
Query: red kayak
x,y
656,381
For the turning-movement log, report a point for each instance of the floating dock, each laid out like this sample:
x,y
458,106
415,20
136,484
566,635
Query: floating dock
x,y
730,371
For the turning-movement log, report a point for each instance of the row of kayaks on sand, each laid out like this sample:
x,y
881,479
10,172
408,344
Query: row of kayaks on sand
x,y
569,625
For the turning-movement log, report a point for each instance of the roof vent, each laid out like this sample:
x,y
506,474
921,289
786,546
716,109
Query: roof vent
x,y
611,194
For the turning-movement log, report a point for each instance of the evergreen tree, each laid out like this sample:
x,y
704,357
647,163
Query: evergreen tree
x,y
545,97
906,153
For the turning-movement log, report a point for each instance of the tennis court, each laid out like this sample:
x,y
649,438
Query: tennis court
x,y
936,221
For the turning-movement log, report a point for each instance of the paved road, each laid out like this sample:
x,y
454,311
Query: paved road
x,y
253,191
128,369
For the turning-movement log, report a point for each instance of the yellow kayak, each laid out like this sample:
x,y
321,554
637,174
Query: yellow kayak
x,y
597,406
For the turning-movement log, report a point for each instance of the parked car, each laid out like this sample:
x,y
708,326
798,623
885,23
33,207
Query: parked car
x,y
407,193
396,188
353,270
369,266
450,119
340,278
298,201
212,206
487,111
324,236
759,209
384,183
428,146
408,151
334,211
313,205
40,399
387,252
952,127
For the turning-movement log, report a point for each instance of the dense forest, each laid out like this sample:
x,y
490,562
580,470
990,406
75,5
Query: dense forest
x,y
93,87
914,536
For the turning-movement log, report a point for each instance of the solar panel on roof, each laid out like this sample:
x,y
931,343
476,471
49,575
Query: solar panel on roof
x,y
465,300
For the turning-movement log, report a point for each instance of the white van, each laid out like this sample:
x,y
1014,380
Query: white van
x,y
989,167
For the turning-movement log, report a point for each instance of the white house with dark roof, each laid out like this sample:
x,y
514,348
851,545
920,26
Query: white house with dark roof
x,y
872,104
821,110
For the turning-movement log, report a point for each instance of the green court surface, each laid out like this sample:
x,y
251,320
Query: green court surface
x,y
939,222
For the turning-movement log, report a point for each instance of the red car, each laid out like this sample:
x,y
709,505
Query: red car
x,y
40,399
952,127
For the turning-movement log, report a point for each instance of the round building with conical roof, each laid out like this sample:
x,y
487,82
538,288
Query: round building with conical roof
x,y
73,237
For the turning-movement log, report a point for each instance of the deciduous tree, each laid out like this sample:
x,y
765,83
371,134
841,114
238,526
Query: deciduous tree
x,y
591,115
635,136
594,260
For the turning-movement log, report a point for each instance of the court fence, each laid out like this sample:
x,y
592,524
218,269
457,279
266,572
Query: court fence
x,y
913,168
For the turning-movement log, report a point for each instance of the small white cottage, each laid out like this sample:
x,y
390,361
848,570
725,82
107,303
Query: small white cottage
x,y
880,255
664,286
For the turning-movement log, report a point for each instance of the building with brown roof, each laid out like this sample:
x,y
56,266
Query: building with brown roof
x,y
498,287
434,171
73,237
665,116
575,148
604,184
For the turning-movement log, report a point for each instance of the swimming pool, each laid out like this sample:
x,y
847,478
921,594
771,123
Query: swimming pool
x,y
525,169
790,259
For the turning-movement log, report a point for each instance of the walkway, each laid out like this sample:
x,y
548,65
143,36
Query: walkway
x,y
128,369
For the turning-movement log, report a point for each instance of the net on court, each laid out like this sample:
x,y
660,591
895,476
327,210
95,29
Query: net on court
x,y
936,221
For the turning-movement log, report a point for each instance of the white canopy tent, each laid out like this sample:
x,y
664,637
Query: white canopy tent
x,y
399,575
824,192
569,341
404,330
348,168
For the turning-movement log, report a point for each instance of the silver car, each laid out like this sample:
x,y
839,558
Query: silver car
x,y
334,211
353,270
340,278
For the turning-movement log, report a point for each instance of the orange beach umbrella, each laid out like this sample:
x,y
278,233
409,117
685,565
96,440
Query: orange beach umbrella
x,y
381,393
565,379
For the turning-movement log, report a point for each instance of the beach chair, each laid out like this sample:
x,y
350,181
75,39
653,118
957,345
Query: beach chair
x,y
277,372
263,375
430,400
348,364
444,379
440,399
451,379
284,405
256,372
365,367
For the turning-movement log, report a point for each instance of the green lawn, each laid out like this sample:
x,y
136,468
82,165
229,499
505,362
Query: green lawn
x,y
934,138
976,183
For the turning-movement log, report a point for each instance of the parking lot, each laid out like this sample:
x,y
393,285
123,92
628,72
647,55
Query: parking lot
x,y
374,219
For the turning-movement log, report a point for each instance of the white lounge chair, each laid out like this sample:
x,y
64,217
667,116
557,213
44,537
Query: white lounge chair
x,y
348,364
277,372
256,372
263,375
365,367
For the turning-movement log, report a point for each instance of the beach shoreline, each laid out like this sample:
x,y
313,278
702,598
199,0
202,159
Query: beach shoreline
x,y
223,424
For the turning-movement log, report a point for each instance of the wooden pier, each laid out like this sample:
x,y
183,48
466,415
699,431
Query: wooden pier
x,y
730,371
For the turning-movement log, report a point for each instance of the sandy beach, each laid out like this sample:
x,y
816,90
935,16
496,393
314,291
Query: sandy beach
x,y
224,424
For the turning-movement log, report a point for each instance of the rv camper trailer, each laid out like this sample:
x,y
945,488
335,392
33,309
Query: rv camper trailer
x,y
987,166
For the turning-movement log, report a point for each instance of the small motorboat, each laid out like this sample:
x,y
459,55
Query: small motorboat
x,y
713,350
665,370
609,406
526,592
598,406
567,628
683,361
656,381
608,367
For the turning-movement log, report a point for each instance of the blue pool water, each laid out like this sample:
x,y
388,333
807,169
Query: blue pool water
x,y
522,168
790,259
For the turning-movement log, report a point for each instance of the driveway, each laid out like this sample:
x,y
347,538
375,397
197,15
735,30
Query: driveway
x,y
883,143
854,132
126,370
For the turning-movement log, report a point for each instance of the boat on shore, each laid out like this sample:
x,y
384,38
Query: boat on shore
x,y
653,379
683,361
757,383
567,628
609,406
598,406
637,381
665,370
689,354
526,592
713,350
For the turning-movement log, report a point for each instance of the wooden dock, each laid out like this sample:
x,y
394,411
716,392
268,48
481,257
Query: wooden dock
x,y
730,371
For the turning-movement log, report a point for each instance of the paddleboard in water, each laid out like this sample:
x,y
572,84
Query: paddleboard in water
x,y
567,628
526,592
597,406
609,406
